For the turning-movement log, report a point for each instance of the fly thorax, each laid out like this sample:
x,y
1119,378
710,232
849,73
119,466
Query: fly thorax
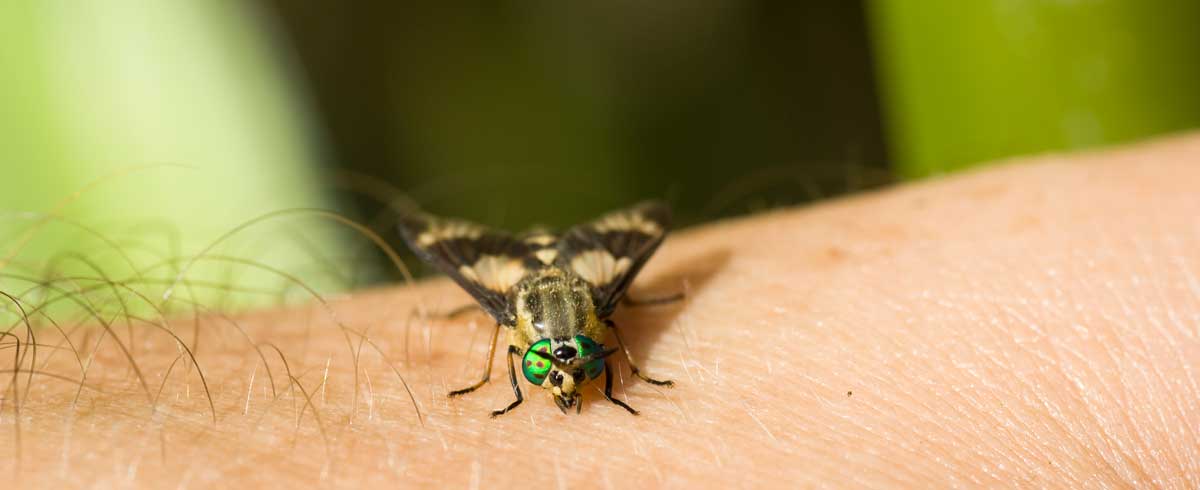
x,y
553,305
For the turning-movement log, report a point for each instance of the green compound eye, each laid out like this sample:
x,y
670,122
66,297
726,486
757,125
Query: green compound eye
x,y
586,348
534,366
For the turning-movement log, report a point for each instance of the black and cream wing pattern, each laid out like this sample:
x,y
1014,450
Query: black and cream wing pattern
x,y
610,251
486,263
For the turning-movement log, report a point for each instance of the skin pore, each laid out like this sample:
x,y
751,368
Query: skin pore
x,y
1036,323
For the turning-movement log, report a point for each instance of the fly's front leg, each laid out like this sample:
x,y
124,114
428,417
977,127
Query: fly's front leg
x,y
608,390
512,377
633,367
487,367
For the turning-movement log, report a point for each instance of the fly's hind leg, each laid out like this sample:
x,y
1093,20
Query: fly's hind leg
x,y
487,367
633,367
512,377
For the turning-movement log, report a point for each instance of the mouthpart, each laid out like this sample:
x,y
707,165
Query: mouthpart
x,y
566,402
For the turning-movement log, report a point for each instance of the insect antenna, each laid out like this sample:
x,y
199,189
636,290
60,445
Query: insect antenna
x,y
598,355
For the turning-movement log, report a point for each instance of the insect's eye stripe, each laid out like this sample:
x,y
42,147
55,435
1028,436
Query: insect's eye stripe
x,y
534,364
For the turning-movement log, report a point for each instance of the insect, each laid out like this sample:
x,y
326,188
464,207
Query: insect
x,y
554,294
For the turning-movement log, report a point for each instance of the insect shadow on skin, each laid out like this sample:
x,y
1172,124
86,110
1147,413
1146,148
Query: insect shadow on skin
x,y
644,325
554,294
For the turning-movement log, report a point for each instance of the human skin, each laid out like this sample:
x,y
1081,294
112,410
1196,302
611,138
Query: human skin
x,y
1033,324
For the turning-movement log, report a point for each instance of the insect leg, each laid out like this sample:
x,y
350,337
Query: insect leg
x,y
487,367
512,377
608,390
661,300
633,367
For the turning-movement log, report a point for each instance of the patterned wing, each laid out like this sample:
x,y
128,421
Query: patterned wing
x,y
609,252
485,262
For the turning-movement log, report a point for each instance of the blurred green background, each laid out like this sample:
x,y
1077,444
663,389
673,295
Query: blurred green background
x,y
966,82
204,115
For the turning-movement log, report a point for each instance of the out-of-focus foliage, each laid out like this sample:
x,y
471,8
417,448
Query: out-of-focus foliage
x,y
966,82
182,113
550,112
530,112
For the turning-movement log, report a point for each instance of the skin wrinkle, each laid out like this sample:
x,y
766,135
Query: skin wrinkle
x,y
1141,353
1019,454
923,411
828,389
1031,325
1067,355
1156,373
958,394
1063,430
1082,391
1190,413
1087,396
1175,347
